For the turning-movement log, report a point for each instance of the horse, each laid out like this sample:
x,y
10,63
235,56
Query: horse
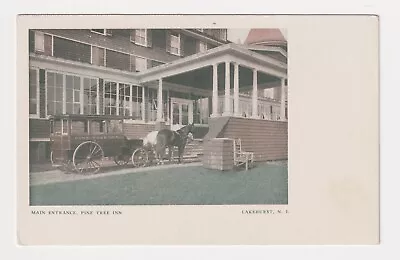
x,y
167,138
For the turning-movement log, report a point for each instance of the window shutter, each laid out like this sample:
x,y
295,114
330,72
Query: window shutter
x,y
149,64
182,44
133,35
133,63
149,34
168,41
31,41
48,45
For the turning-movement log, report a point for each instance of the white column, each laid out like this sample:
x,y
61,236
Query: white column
x,y
160,102
215,92
283,101
236,91
143,103
254,99
117,102
81,97
227,100
130,100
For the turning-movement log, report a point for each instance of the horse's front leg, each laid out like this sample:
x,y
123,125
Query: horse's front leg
x,y
180,154
170,153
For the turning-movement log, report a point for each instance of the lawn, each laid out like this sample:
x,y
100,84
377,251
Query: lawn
x,y
192,185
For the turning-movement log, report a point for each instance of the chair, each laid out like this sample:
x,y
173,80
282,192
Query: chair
x,y
241,157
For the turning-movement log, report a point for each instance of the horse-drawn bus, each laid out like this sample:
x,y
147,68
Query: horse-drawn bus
x,y
82,143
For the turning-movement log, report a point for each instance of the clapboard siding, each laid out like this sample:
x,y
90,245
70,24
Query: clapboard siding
x,y
267,139
137,131
39,128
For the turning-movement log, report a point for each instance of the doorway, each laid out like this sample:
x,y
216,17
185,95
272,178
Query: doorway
x,y
181,113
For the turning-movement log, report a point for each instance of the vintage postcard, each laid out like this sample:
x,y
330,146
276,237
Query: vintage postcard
x,y
197,129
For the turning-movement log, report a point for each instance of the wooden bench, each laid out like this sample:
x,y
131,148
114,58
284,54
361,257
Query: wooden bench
x,y
241,157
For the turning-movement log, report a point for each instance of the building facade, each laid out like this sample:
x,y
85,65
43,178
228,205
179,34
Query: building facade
x,y
153,77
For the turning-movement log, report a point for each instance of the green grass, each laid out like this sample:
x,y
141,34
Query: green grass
x,y
264,184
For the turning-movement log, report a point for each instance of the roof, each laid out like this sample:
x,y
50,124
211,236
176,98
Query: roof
x,y
266,36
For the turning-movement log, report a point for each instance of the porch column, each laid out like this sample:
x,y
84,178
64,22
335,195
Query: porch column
x,y
160,101
236,91
143,103
283,101
215,92
227,101
254,96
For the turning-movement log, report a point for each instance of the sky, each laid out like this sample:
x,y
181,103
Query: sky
x,y
241,34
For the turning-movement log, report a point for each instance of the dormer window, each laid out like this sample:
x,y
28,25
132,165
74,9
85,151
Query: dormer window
x,y
101,31
141,37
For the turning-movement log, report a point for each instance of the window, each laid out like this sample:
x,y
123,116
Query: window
x,y
140,37
72,94
203,46
141,64
124,99
110,98
39,41
55,83
90,89
175,44
151,106
33,92
137,100
101,31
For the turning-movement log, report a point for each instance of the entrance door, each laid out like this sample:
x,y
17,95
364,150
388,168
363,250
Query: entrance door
x,y
181,112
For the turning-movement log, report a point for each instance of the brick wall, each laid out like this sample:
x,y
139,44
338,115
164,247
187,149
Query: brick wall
x,y
267,139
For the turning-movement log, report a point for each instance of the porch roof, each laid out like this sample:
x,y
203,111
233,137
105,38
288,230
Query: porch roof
x,y
228,52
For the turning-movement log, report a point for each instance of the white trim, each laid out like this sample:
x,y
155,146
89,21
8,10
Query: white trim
x,y
39,139
52,44
104,34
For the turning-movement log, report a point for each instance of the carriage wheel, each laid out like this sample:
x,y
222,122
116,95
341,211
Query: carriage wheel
x,y
139,157
58,163
87,157
121,159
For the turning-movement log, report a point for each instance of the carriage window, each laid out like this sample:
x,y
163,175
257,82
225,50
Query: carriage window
x,y
114,126
86,127
51,127
57,126
64,124
101,126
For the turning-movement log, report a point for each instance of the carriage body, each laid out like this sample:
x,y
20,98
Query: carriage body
x,y
82,136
